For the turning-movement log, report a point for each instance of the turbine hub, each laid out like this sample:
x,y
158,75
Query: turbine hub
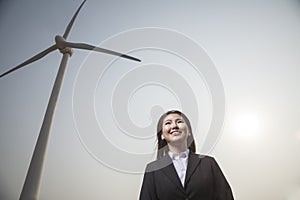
x,y
61,45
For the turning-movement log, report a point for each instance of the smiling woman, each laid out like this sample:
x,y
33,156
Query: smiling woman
x,y
178,172
174,132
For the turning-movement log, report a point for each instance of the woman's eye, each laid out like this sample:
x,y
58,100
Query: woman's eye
x,y
167,123
179,121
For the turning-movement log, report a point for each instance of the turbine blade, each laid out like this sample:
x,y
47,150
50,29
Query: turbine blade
x,y
98,49
68,29
30,60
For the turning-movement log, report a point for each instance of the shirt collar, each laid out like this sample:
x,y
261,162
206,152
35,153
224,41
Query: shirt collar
x,y
174,156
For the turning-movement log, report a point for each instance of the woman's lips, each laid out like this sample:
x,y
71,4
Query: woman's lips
x,y
174,132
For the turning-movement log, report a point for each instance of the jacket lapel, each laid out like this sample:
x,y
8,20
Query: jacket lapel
x,y
169,170
193,162
171,173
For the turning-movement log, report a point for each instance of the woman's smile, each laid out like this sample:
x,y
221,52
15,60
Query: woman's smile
x,y
174,132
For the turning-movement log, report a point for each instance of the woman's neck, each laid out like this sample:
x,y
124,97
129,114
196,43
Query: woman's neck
x,y
177,148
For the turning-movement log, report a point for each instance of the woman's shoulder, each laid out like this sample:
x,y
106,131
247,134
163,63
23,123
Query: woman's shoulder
x,y
205,159
201,156
158,164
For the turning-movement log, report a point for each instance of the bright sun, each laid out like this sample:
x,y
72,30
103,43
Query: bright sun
x,y
247,125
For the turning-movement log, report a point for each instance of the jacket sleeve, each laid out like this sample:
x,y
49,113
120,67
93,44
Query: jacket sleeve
x,y
221,186
148,190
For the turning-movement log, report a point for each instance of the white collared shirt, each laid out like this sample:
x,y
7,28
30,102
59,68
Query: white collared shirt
x,y
180,163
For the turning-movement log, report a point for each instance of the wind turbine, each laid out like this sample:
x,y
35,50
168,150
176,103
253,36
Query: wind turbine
x,y
33,177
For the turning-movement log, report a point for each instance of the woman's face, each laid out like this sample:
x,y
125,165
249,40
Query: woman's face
x,y
174,129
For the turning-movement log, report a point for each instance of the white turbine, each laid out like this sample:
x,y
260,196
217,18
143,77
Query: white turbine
x,y
33,177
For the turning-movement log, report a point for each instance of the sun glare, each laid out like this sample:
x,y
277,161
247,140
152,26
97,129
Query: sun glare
x,y
247,125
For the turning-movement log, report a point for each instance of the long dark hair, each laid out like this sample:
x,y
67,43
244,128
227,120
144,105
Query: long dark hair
x,y
162,146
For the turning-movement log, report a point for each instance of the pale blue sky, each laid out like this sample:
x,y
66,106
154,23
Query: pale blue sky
x,y
254,46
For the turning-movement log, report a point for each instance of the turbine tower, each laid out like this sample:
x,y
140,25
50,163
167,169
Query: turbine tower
x,y
32,182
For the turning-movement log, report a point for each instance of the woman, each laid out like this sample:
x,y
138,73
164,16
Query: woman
x,y
178,172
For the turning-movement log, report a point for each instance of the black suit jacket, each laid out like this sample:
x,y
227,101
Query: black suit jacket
x,y
204,180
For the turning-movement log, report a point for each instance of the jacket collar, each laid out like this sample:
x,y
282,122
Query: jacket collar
x,y
170,171
193,162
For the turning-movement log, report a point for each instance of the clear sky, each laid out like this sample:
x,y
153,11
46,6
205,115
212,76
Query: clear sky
x,y
198,56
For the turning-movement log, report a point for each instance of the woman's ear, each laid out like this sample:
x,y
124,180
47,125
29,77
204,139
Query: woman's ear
x,y
162,137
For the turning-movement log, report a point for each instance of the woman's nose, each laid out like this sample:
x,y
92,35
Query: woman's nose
x,y
174,125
